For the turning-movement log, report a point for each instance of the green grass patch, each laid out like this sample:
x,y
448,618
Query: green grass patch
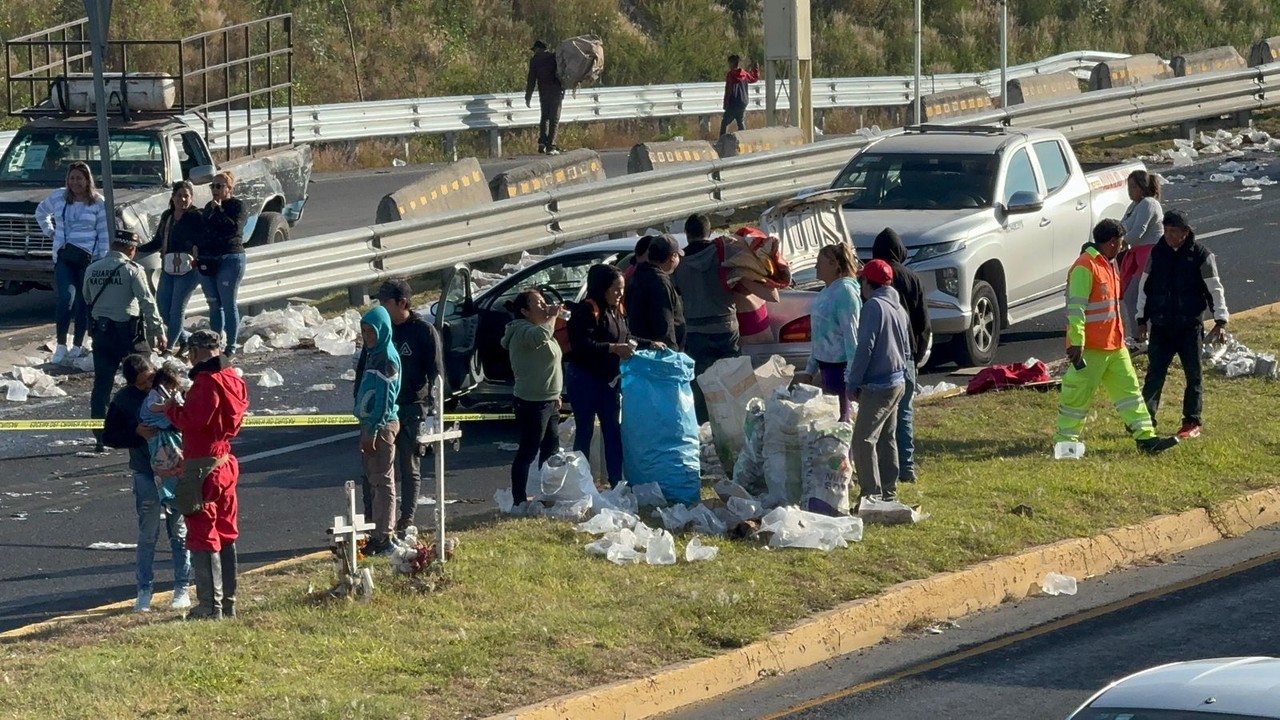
x,y
529,615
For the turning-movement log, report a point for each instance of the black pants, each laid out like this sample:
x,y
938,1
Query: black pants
x,y
732,115
1184,342
550,120
706,349
112,343
408,474
539,425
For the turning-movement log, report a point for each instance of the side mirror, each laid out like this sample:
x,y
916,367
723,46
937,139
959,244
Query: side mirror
x,y
1024,201
202,174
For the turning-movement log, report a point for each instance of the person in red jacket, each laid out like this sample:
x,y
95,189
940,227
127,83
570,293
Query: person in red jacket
x,y
736,93
209,419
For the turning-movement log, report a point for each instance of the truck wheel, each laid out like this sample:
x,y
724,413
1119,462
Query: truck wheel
x,y
977,346
270,229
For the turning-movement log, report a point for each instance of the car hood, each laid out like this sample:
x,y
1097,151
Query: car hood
x,y
917,228
25,199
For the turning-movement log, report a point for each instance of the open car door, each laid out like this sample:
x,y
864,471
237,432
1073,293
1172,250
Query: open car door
x,y
455,317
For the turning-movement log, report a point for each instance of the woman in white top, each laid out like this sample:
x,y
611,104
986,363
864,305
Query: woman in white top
x,y
1142,230
75,218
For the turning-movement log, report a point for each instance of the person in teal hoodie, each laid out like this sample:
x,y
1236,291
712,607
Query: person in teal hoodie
x,y
377,412
536,363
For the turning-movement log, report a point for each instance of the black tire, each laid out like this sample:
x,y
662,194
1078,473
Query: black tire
x,y
977,346
270,229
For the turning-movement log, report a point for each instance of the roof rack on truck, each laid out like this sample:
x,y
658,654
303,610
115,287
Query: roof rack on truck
x,y
241,74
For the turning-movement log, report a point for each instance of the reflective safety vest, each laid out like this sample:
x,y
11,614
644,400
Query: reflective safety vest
x,y
1093,303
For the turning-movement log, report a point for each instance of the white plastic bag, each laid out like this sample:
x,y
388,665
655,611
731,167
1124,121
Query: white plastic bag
x,y
660,549
826,468
695,551
675,517
875,511
607,521
706,522
792,527
566,478
728,386
742,510
649,495
786,416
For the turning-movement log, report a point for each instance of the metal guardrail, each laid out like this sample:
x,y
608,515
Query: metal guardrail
x,y
435,116
368,254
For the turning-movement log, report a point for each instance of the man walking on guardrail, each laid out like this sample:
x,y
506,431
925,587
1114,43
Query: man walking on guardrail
x,y
422,357
1180,283
737,94
1095,346
123,318
543,74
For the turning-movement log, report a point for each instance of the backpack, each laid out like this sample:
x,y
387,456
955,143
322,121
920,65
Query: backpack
x,y
120,428
579,60
740,96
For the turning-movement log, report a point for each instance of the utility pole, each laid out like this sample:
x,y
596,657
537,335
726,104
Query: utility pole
x,y
919,42
1004,53
99,14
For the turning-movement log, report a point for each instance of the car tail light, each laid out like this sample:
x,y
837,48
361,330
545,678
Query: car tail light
x,y
797,330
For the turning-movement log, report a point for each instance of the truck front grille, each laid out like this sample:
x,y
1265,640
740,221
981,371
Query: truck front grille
x,y
21,236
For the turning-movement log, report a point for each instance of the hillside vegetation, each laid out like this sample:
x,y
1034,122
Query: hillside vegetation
x,y
450,47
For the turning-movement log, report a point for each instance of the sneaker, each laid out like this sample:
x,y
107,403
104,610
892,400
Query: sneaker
x,y
1189,430
76,353
553,150
143,603
1157,445
59,355
889,497
181,599
542,149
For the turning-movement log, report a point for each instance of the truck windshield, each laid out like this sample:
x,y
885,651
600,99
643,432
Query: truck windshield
x,y
40,157
919,182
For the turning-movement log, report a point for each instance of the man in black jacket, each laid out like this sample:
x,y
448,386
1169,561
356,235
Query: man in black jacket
x,y
1179,284
422,359
654,310
544,75
888,247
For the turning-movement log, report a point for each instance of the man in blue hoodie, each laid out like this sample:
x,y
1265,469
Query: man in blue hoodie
x,y
378,412
877,380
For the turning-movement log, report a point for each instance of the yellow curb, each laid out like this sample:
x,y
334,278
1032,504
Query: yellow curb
x,y
860,624
158,600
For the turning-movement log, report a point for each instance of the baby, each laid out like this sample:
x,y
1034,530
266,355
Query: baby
x,y
166,446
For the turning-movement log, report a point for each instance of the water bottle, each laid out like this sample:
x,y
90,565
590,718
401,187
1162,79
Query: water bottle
x,y
1057,584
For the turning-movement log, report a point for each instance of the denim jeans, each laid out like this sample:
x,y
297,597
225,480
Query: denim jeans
x,y
68,282
907,427
732,115
172,296
593,398
221,292
150,511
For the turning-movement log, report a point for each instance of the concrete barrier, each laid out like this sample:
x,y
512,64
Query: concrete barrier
x,y
654,155
1039,88
1134,70
460,185
955,103
575,167
745,142
1265,52
1211,60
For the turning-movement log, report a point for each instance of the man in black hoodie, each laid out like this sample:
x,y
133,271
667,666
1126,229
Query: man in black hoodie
x,y
654,310
710,313
888,247
422,359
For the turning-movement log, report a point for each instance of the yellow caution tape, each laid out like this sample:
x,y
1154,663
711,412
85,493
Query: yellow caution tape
x,y
251,421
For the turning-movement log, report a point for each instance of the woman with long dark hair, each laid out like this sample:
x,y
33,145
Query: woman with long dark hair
x,y
600,341
75,218
221,259
539,381
177,239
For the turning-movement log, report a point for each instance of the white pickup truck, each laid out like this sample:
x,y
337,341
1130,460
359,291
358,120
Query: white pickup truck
x,y
992,219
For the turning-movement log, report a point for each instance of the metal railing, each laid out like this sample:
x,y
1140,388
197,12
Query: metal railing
x,y
368,254
503,111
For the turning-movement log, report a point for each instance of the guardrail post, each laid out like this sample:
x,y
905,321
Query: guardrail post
x,y
1187,130
451,146
704,123
357,295
820,121
1242,119
665,125
495,143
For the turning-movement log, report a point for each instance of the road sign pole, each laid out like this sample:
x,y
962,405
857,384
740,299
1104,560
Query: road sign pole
x,y
99,14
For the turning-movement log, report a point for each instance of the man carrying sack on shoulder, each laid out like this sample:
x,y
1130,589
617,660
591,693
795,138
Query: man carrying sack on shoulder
x,y
123,318
208,420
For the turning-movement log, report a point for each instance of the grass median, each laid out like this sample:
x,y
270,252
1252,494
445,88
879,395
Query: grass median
x,y
529,615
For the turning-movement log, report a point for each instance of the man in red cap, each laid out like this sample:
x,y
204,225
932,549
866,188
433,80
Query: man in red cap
x,y
877,380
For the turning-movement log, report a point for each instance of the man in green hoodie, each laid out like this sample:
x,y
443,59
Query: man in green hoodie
x,y
377,411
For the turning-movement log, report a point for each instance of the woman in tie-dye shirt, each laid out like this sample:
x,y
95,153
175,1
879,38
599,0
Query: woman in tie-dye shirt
x,y
834,322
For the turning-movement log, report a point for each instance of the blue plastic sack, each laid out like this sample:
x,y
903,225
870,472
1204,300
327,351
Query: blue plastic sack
x,y
659,430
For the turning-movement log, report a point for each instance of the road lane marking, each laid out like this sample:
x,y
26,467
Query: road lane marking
x,y
1039,630
300,446
1216,233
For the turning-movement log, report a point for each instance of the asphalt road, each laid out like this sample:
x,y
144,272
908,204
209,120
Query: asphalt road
x,y
290,496
1043,657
